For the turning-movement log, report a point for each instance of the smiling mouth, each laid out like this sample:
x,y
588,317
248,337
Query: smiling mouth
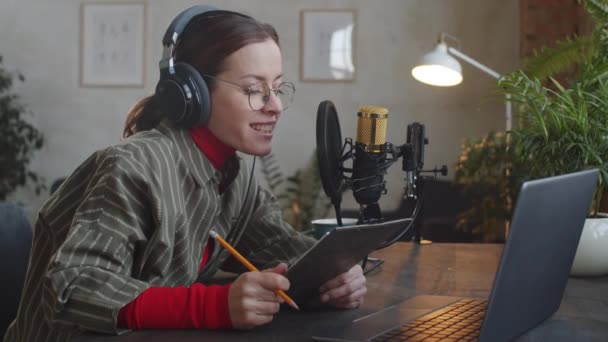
x,y
264,128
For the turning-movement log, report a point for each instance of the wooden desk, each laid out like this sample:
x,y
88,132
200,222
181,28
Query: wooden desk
x,y
408,270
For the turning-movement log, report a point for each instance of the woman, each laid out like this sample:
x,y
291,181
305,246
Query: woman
x,y
122,243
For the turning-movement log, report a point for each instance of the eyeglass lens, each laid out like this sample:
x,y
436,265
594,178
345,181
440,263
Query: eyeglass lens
x,y
259,94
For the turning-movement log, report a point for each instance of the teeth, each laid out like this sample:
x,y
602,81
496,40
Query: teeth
x,y
263,128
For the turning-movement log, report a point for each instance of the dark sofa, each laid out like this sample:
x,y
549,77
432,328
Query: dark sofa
x,y
15,245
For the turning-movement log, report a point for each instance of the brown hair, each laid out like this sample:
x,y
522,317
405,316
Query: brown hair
x,y
205,44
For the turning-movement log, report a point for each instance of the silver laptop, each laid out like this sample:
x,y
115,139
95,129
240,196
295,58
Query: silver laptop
x,y
528,285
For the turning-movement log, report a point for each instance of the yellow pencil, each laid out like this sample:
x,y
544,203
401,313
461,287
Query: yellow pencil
x,y
250,267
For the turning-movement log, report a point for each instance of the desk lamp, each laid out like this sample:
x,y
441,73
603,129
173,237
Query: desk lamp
x,y
439,68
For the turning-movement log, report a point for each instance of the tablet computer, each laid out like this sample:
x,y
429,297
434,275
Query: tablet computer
x,y
336,252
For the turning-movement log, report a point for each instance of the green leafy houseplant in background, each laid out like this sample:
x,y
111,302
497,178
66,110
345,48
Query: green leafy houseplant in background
x,y
18,140
563,130
573,51
562,127
300,195
487,176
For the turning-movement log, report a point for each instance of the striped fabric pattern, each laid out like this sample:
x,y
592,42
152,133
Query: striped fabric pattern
x,y
132,216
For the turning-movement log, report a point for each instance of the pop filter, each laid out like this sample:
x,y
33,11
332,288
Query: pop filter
x,y
329,152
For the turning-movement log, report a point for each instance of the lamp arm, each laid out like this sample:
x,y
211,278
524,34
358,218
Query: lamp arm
x,y
508,111
474,62
508,105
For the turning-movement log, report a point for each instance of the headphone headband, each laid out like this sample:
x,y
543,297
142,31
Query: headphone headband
x,y
178,25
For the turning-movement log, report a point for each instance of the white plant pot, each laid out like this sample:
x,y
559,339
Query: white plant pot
x,y
592,253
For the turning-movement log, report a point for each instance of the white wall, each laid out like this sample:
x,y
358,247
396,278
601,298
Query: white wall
x,y
41,39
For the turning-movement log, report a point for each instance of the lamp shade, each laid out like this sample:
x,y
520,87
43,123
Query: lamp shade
x,y
438,68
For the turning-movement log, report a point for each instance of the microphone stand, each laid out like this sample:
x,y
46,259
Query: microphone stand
x,y
418,219
419,191
369,213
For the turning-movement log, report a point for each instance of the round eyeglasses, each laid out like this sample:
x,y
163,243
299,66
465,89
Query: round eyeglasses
x,y
259,93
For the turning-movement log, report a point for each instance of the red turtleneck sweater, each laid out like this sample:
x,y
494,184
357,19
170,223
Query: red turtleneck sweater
x,y
198,306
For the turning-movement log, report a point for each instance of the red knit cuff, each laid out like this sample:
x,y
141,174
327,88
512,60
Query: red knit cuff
x,y
126,317
217,311
196,307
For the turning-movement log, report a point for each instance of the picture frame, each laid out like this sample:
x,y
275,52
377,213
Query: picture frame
x,y
328,45
112,44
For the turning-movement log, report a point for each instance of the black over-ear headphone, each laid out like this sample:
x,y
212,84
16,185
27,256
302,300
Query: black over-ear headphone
x,y
182,93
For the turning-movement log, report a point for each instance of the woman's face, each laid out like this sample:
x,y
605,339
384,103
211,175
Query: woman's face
x,y
232,120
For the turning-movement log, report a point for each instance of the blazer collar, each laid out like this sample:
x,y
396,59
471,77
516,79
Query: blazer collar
x,y
193,158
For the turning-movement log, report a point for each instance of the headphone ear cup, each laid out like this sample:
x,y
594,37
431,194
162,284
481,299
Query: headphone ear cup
x,y
183,96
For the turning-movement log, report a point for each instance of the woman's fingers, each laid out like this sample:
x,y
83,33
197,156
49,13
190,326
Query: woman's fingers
x,y
352,300
252,299
344,285
341,279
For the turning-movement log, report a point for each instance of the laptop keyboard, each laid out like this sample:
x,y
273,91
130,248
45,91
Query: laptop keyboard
x,y
460,321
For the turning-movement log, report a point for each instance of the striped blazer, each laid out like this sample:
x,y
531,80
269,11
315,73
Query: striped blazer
x,y
135,215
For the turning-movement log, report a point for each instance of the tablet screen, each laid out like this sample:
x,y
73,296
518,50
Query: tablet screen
x,y
336,252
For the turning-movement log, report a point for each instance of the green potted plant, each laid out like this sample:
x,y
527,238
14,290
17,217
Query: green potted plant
x,y
18,140
562,130
486,162
563,127
565,130
487,171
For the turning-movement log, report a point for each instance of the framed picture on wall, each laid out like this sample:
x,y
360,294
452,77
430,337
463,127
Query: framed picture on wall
x,y
112,44
327,45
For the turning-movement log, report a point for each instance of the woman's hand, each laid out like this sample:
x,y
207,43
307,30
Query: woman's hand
x,y
345,291
252,300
